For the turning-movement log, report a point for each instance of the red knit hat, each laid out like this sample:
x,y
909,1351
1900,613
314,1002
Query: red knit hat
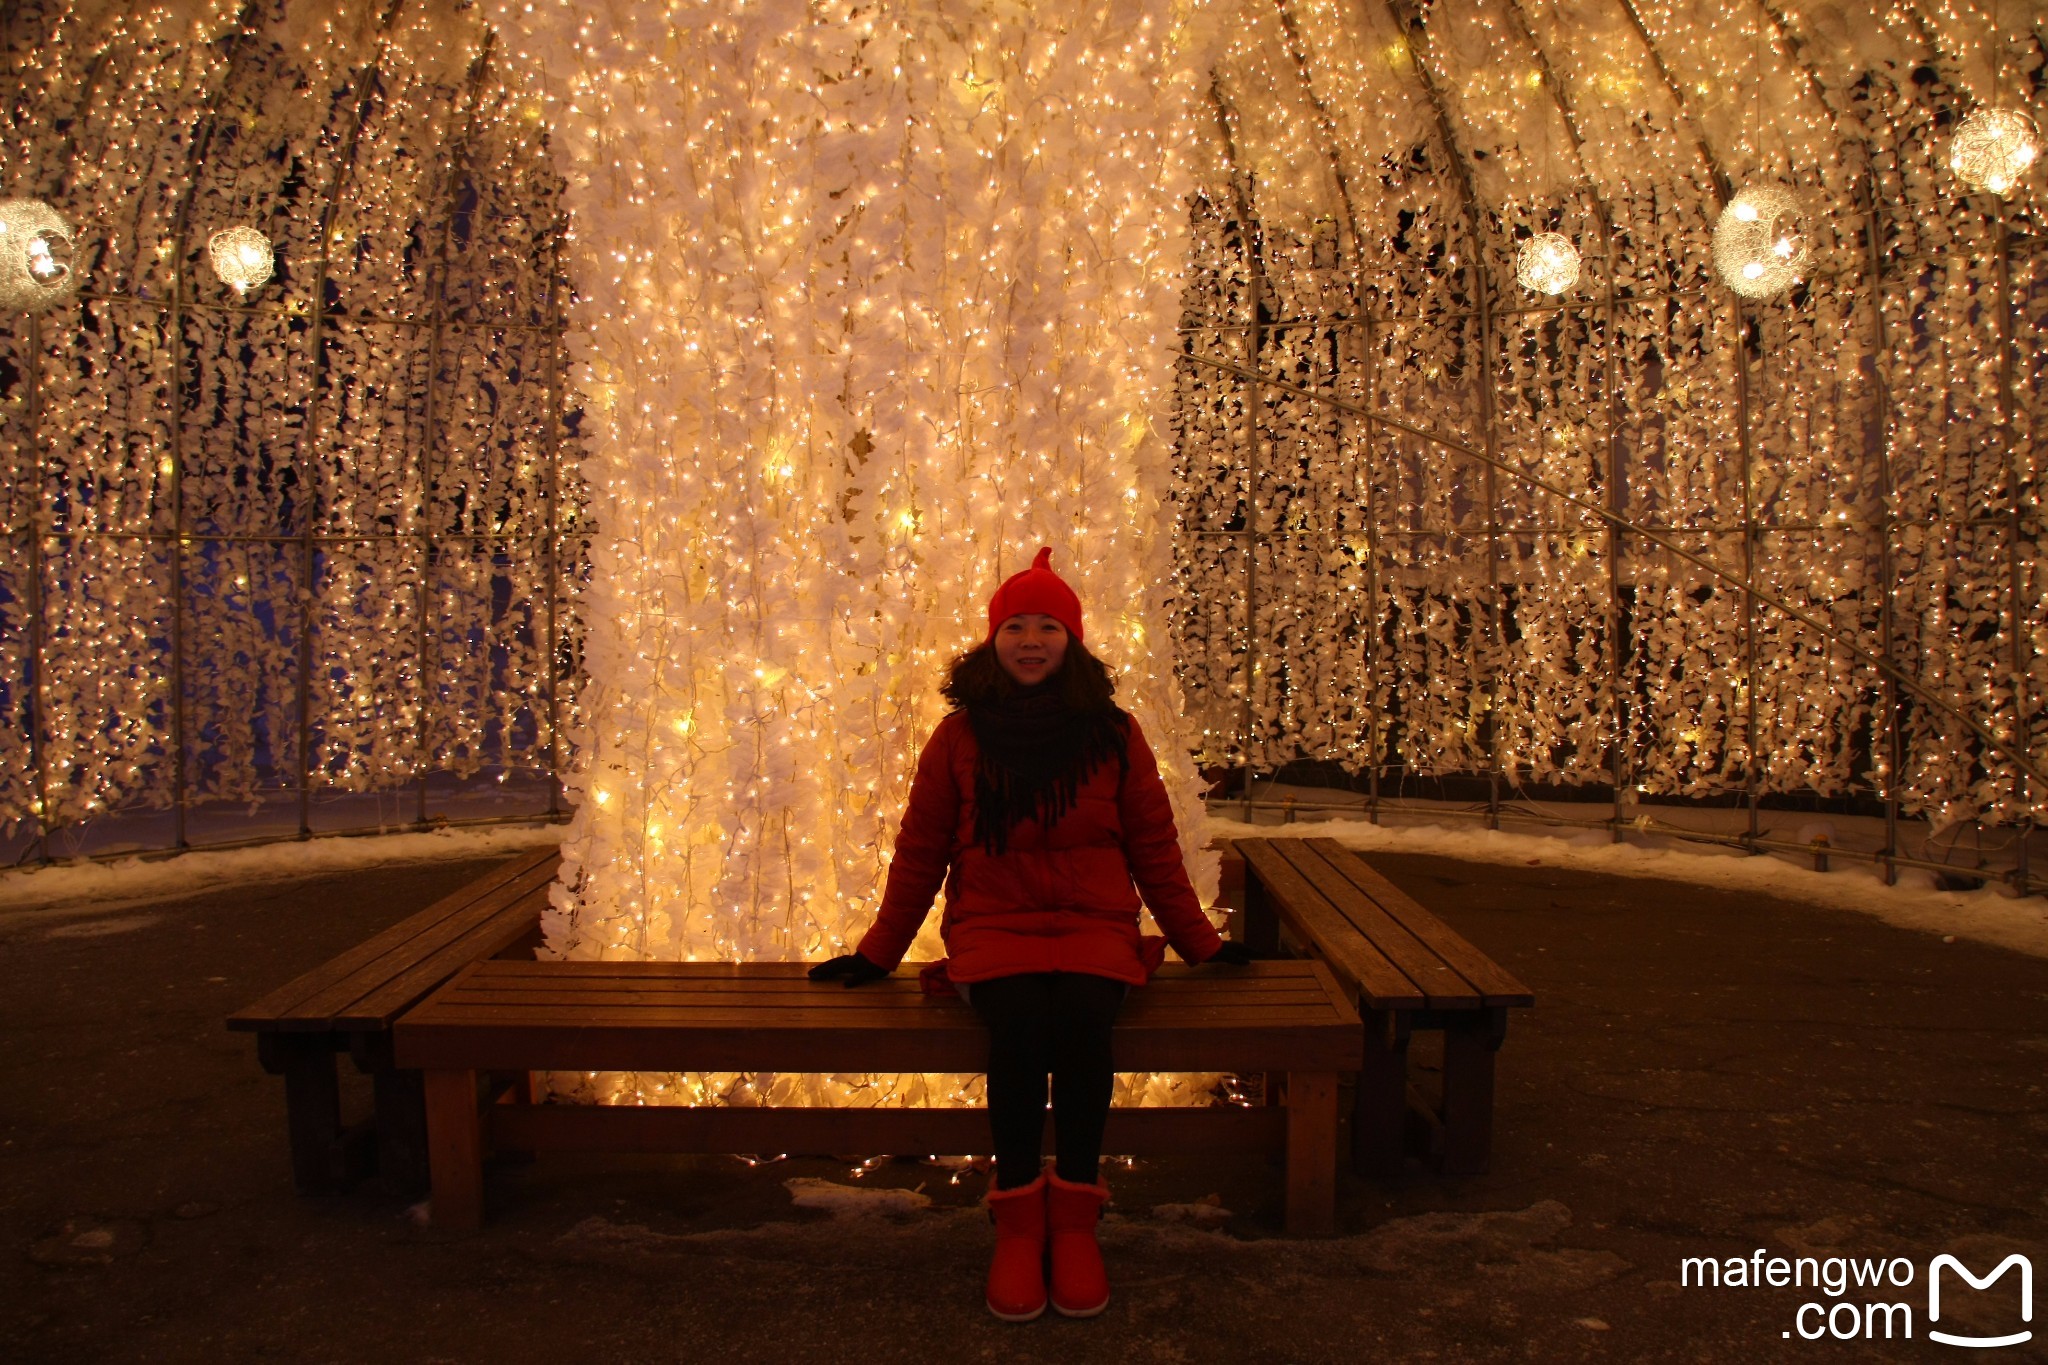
x,y
1036,590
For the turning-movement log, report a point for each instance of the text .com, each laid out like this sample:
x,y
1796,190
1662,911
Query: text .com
x,y
1866,1318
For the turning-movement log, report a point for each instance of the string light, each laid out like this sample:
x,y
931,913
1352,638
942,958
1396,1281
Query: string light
x,y
824,427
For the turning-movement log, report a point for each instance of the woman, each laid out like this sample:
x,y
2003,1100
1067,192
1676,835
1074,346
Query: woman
x,y
1038,805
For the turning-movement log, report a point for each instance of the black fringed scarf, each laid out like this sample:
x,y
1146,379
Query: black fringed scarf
x,y
1035,754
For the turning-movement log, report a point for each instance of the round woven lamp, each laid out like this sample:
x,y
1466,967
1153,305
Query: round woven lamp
x,y
241,256
1761,241
36,268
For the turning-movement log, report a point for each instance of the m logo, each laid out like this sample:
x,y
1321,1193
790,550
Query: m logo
x,y
2026,1298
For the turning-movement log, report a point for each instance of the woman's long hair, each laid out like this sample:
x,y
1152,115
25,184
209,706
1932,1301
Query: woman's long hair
x,y
1037,748
1083,681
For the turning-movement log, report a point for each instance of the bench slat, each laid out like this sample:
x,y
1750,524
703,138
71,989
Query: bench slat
x,y
552,1046
493,936
1297,900
318,997
432,953
293,1000
887,1027
600,993
745,977
684,1019
1439,982
1497,985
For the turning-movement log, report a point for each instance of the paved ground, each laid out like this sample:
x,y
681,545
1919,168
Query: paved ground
x,y
1705,1075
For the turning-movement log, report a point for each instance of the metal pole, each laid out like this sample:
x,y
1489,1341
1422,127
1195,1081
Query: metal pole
x,y
1374,719
1887,569
309,431
179,778
1620,770
554,535
2018,634
1406,22
1749,535
1297,51
175,323
38,626
1253,240
426,639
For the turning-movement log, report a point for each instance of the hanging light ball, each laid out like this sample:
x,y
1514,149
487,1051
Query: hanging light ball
x,y
1547,263
1761,241
36,268
241,256
1993,148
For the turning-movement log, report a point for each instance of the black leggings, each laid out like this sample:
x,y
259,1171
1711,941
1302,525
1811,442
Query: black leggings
x,y
1039,1023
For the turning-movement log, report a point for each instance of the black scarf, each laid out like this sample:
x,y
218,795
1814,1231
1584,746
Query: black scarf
x,y
1035,754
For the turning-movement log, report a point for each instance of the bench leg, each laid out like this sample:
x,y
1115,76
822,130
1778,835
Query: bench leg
x,y
1258,928
1469,1045
312,1105
1311,1152
1379,1108
402,1129
455,1150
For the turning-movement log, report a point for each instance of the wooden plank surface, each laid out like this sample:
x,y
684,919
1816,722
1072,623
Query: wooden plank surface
x,y
295,1002
379,1006
428,944
1496,985
1356,962
591,1016
1442,986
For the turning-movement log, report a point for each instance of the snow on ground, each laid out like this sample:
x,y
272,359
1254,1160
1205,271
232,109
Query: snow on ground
x,y
1990,915
94,888
854,1201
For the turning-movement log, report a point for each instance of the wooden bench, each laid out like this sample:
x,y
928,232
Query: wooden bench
x,y
348,1005
1274,1017
1407,970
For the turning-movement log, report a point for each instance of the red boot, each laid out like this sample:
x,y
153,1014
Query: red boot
x,y
1016,1277
1080,1287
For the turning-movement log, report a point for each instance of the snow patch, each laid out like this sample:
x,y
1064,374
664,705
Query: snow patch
x,y
98,887
1988,915
854,1201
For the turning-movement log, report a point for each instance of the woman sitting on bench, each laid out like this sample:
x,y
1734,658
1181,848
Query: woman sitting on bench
x,y
1038,805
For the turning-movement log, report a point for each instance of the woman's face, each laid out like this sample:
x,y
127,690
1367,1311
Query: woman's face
x,y
1031,647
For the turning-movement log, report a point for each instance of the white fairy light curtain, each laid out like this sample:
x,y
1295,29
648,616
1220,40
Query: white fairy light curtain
x,y
1862,446
276,544
872,301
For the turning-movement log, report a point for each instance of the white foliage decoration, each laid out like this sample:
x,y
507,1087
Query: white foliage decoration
x,y
928,256
1468,623
872,301
213,501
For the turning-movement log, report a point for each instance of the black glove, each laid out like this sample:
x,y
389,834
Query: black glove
x,y
1231,954
849,970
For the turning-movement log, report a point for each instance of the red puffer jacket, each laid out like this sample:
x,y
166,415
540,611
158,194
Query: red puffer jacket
x,y
1063,899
